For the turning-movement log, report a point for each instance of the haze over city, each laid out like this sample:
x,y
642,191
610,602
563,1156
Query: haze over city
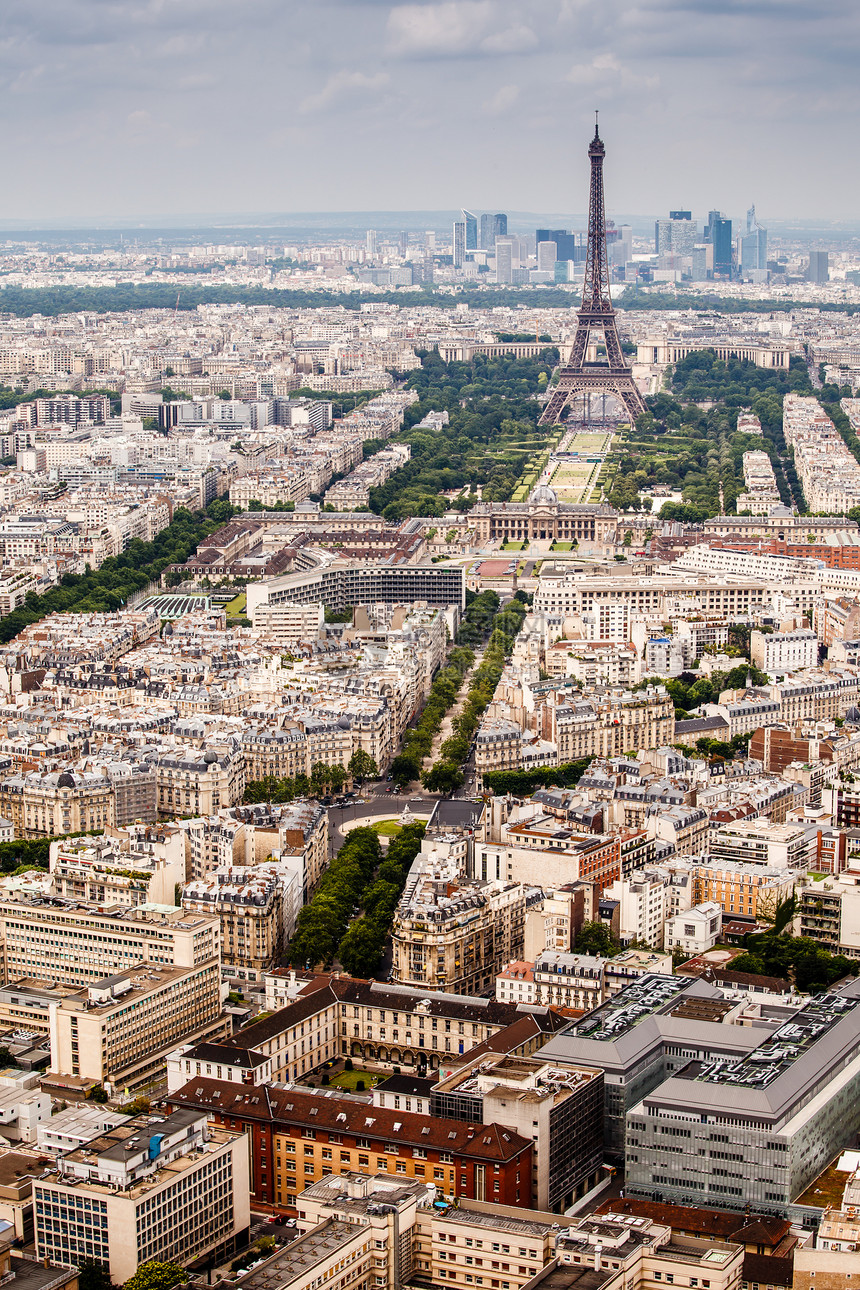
x,y
145,108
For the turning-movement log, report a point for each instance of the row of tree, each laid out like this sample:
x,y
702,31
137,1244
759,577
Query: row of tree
x,y
106,589
323,921
362,949
23,302
445,775
491,433
797,959
641,298
322,780
522,783
698,449
477,625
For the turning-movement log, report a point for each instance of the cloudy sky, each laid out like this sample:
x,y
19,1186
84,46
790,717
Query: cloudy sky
x,y
141,108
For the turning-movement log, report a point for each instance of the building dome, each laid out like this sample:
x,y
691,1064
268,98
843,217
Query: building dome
x,y
66,780
210,757
343,723
543,495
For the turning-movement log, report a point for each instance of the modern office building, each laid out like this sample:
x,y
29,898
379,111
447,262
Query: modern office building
x,y
119,1032
675,235
504,258
458,244
342,585
172,1189
559,1108
758,1129
819,266
719,234
487,233
752,245
471,223
500,225
650,1030
79,945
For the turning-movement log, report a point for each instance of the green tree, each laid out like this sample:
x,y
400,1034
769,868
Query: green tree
x,y
360,951
443,777
362,766
156,1276
595,938
404,769
93,1275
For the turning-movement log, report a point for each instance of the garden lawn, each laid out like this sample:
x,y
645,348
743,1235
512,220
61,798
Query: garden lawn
x,y
387,828
348,1079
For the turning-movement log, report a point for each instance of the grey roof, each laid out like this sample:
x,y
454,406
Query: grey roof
x,y
779,1074
638,1021
701,725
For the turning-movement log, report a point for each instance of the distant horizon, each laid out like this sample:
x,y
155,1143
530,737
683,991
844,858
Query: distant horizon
x,y
331,223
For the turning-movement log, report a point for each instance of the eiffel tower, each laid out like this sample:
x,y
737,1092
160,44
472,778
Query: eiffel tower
x,y
611,375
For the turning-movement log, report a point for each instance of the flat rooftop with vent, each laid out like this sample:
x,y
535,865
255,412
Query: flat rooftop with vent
x,y
755,1129
153,1187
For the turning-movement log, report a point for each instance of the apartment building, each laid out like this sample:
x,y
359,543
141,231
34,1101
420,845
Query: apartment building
x,y
257,907
564,726
755,841
299,1136
168,1190
47,803
777,652
79,945
199,781
453,935
739,887
135,866
616,1250
566,592
118,1033
374,1230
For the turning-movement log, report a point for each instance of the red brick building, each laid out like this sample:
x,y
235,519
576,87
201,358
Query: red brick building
x,y
298,1136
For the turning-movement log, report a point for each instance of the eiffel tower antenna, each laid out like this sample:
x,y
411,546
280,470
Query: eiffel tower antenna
x,y
579,375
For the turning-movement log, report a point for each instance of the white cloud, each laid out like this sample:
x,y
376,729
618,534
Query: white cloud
x,y
607,70
503,99
343,85
426,31
598,70
513,40
456,28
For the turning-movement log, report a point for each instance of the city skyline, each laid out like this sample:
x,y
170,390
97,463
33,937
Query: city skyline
x,y
183,109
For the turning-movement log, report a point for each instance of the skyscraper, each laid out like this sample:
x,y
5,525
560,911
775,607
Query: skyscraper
x,y
504,259
719,234
819,266
753,245
471,222
676,235
547,254
488,237
500,225
372,244
458,243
